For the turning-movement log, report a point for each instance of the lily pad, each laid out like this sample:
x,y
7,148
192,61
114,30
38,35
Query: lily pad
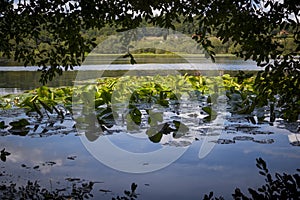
x,y
2,125
224,141
106,117
72,179
71,157
155,134
20,123
243,138
21,131
212,114
264,141
181,129
261,132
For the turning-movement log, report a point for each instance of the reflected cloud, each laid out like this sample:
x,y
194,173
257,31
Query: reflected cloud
x,y
34,158
294,139
280,152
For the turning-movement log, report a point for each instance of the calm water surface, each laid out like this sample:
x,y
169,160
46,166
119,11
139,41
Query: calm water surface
x,y
226,167
54,152
16,78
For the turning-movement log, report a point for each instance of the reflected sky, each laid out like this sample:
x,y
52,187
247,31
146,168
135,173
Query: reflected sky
x,y
54,159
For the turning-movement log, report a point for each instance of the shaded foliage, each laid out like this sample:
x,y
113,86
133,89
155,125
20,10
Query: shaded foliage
x,y
282,186
128,195
33,190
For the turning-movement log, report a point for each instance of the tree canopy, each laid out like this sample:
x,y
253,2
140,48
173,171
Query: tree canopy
x,y
49,34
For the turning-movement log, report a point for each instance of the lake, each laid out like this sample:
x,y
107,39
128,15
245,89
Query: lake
x,y
218,155
14,78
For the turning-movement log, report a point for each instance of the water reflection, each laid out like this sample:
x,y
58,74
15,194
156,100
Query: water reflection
x,y
52,151
64,160
21,78
294,139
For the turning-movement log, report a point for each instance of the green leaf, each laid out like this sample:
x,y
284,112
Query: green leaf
x,y
155,117
155,133
48,108
180,127
20,123
37,109
209,111
208,99
2,125
106,117
135,115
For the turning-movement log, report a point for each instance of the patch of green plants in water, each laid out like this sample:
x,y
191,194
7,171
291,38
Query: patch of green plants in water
x,y
41,99
142,95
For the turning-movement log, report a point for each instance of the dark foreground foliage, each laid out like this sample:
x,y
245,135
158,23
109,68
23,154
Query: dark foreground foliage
x,y
282,186
33,191
128,195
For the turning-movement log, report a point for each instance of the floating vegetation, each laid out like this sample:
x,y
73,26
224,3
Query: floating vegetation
x,y
2,125
243,138
182,106
257,132
264,141
72,179
224,141
105,190
71,157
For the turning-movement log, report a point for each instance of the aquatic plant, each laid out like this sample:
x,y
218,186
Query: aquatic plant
x,y
33,190
128,195
147,98
282,186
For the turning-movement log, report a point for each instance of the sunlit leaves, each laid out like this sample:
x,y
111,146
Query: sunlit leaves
x,y
146,99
